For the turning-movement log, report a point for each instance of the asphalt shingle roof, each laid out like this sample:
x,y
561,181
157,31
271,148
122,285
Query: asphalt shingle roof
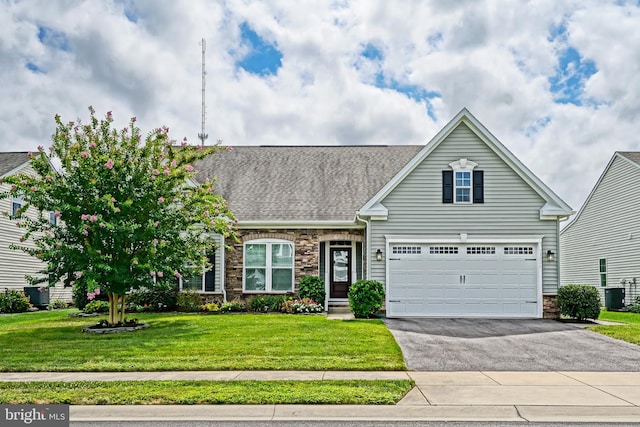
x,y
634,156
302,183
11,160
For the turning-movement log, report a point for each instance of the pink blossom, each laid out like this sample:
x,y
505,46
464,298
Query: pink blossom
x,y
40,148
90,296
24,182
161,199
71,283
51,149
160,274
189,168
113,199
155,172
155,241
41,288
177,274
93,218
108,113
85,232
84,154
133,119
102,224
155,224
78,274
30,154
57,214
48,178
59,244
34,188
84,217
97,291
135,261
206,213
173,163
92,144
166,172
153,273
109,164
199,147
116,210
229,148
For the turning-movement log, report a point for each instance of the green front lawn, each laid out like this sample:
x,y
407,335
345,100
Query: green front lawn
x,y
52,341
381,392
629,332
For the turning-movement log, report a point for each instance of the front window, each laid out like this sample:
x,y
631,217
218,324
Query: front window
x,y
463,187
203,282
268,266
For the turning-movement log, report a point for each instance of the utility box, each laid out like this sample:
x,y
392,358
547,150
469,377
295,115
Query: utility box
x,y
38,298
614,298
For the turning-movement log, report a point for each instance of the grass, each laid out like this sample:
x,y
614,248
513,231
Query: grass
x,y
52,341
629,332
205,392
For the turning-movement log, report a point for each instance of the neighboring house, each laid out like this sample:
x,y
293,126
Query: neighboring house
x,y
458,227
16,264
601,246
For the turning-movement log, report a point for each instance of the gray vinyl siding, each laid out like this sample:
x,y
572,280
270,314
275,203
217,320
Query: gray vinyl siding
x,y
16,264
607,227
511,206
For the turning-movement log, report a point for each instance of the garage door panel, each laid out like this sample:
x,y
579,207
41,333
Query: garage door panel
x,y
489,281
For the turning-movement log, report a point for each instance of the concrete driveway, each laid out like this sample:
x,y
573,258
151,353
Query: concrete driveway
x,y
432,344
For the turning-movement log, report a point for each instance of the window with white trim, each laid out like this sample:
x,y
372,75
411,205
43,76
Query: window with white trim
x,y
16,204
602,264
203,282
463,184
268,266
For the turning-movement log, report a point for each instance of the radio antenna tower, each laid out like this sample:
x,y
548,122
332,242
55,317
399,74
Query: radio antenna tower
x,y
202,136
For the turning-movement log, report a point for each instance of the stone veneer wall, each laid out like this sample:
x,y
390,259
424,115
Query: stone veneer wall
x,y
550,308
306,243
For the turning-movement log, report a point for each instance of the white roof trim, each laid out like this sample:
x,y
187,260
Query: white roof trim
x,y
16,169
300,224
464,116
595,187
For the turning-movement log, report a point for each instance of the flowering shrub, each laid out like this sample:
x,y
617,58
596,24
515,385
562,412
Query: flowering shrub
x,y
210,307
188,301
266,303
12,301
312,287
230,306
57,304
305,305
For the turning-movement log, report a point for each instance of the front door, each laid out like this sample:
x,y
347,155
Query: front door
x,y
340,273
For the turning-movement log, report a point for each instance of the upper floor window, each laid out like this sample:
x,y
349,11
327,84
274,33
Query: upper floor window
x,y
268,266
463,184
16,204
602,263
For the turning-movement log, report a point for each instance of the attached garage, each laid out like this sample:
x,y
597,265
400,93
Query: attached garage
x,y
479,279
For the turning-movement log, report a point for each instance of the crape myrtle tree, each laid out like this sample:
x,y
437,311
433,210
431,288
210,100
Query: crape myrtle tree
x,y
122,213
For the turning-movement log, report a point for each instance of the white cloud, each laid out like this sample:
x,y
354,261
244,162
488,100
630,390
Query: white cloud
x,y
142,58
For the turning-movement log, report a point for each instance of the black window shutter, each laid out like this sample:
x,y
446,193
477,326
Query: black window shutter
x,y
478,186
447,186
210,276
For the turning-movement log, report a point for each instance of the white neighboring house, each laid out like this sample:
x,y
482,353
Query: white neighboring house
x,y
15,264
601,246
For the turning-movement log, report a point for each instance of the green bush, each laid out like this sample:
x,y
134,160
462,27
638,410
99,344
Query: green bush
x,y
266,303
635,306
188,301
57,304
162,297
96,306
12,301
366,298
312,287
232,306
579,301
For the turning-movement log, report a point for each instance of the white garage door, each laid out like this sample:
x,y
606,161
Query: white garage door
x,y
463,280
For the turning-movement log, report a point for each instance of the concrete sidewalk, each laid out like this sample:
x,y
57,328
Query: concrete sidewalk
x,y
438,396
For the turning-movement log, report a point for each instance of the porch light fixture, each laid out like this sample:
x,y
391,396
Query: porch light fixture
x,y
551,256
378,255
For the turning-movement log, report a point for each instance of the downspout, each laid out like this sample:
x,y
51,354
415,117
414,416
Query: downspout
x,y
367,243
223,274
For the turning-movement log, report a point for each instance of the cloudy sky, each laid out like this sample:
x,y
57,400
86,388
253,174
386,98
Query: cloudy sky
x,y
558,82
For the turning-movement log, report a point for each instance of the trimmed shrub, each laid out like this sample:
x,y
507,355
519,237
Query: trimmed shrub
x,y
96,306
312,287
57,304
579,302
13,301
162,297
366,298
188,301
266,303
